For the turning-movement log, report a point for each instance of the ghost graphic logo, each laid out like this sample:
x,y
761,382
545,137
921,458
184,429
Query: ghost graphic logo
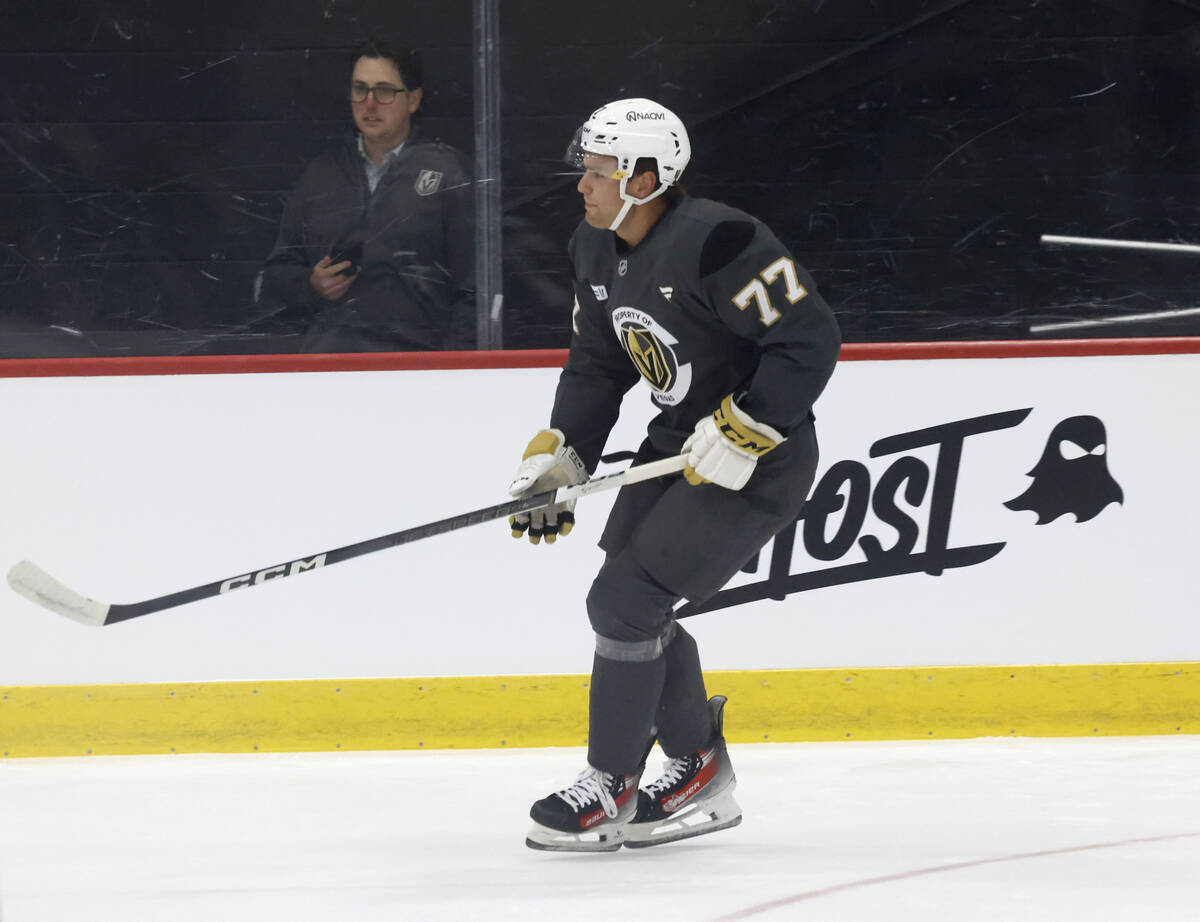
x,y
913,503
1072,474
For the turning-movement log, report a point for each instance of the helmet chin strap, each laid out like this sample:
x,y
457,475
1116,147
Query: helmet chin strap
x,y
627,203
621,214
630,201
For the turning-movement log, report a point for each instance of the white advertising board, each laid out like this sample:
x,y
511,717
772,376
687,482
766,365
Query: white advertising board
x,y
927,540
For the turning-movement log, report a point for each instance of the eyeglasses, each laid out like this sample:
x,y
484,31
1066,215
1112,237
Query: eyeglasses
x,y
384,94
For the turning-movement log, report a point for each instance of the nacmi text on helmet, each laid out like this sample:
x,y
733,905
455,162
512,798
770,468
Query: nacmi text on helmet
x,y
638,116
276,572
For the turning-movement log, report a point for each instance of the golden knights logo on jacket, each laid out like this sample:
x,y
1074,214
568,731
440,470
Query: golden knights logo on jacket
x,y
428,182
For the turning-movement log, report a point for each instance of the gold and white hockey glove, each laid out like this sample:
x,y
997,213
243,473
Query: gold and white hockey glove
x,y
548,463
726,446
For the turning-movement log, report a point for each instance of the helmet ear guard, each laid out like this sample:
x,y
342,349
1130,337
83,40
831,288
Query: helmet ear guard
x,y
628,130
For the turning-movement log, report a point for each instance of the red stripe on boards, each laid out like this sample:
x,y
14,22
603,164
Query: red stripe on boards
x,y
554,358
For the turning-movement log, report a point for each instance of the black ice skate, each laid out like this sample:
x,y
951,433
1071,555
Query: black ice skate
x,y
693,796
589,816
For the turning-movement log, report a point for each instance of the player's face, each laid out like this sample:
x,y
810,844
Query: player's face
x,y
383,124
601,193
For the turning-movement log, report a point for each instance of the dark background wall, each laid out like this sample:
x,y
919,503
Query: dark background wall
x,y
146,148
910,152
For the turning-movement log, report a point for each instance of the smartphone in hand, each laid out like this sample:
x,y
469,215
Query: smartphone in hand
x,y
347,250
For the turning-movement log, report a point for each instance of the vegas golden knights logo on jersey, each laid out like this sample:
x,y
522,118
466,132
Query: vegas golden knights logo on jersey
x,y
650,346
656,364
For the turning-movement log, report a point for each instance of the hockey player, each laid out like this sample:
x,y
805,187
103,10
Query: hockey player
x,y
703,302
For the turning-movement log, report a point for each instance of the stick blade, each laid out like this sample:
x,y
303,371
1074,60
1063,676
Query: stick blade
x,y
38,586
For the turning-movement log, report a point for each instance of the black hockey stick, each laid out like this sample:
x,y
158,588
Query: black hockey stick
x,y
35,584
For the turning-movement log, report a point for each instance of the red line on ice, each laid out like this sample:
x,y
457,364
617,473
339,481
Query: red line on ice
x,y
761,908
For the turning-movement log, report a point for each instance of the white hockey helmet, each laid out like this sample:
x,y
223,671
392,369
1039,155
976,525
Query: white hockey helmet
x,y
629,129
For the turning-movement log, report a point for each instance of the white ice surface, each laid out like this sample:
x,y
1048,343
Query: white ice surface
x,y
1095,829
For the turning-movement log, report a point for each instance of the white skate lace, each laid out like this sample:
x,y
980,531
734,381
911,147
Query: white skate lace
x,y
673,770
589,787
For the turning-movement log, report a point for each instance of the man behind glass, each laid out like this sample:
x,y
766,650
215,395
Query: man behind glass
x,y
376,241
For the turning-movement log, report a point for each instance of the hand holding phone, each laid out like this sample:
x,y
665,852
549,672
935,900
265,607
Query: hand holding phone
x,y
347,251
331,280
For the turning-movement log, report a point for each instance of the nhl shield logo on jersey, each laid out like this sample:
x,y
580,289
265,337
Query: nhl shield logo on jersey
x,y
428,182
649,346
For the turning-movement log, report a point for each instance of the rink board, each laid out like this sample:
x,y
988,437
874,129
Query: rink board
x,y
930,538
482,712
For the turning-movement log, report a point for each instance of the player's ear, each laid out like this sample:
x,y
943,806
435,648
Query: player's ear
x,y
642,184
414,100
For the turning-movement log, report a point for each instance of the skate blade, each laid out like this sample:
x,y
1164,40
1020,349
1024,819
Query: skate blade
x,y
689,832
720,813
550,840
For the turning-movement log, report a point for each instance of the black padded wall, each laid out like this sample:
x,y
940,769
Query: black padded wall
x,y
146,149
911,152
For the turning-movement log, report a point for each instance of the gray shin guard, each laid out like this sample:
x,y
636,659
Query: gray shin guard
x,y
624,698
683,719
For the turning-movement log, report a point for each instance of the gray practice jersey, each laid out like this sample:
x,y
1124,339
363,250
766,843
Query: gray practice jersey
x,y
709,303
